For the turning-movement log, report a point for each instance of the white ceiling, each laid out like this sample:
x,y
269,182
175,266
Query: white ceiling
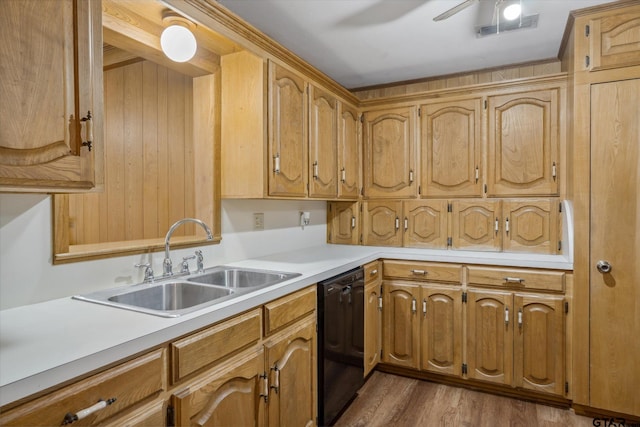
x,y
369,42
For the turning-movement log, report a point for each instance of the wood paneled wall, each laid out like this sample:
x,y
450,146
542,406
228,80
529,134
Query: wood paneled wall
x,y
491,75
149,159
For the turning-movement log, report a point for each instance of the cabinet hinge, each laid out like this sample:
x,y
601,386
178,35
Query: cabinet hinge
x,y
361,239
362,118
171,419
566,387
464,368
485,189
559,245
566,307
419,112
329,237
485,104
361,208
587,61
560,207
587,30
362,191
449,207
420,189
464,297
449,241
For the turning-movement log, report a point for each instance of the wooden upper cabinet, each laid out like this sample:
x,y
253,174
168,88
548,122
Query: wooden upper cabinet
x,y
451,142
614,39
524,139
343,223
476,225
426,224
381,223
390,146
50,80
349,152
323,134
531,225
287,132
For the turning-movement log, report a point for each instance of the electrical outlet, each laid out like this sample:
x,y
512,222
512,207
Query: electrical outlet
x,y
258,221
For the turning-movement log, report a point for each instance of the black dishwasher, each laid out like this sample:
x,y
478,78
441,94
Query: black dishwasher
x,y
340,343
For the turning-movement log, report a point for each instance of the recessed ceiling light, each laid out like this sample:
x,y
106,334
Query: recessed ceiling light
x,y
512,11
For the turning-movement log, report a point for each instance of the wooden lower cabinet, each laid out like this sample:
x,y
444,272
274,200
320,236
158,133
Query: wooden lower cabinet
x,y
231,394
291,367
401,325
151,415
441,330
372,316
516,340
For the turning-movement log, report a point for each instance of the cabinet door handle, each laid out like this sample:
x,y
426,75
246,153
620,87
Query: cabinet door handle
x,y
380,303
343,173
477,174
497,226
506,226
411,176
553,171
276,163
83,413
414,306
420,272
520,318
406,224
87,123
397,223
513,280
506,316
424,307
353,222
276,379
315,170
264,393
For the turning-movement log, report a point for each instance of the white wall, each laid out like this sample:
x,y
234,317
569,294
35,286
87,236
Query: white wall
x,y
27,274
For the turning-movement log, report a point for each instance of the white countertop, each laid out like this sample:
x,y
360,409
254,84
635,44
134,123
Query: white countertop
x,y
44,344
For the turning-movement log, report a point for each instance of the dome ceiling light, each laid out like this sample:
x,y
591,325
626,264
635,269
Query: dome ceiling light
x,y
177,41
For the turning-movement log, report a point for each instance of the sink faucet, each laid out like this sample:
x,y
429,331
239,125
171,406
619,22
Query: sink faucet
x,y
166,264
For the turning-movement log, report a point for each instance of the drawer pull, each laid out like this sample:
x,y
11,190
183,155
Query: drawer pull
x,y
421,272
70,418
374,272
513,280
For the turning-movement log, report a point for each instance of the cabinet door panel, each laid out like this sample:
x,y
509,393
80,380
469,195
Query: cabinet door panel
x,y
50,79
533,226
389,141
401,332
441,330
323,134
451,143
523,143
292,376
475,225
426,224
372,325
343,220
349,153
228,395
287,133
490,322
614,40
539,343
381,223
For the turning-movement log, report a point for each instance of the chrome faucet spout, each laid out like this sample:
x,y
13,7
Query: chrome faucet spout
x,y
167,265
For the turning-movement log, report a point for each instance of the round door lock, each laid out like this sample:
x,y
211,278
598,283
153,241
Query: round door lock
x,y
604,267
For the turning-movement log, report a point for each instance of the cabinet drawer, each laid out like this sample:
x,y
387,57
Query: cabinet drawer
x,y
128,383
213,344
372,271
518,278
286,310
424,271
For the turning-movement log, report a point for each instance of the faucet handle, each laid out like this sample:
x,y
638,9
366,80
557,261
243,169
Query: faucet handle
x,y
185,264
199,261
148,272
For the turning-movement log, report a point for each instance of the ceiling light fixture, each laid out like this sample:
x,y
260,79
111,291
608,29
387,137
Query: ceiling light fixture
x,y
512,11
177,40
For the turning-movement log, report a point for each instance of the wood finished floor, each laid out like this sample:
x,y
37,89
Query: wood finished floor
x,y
391,400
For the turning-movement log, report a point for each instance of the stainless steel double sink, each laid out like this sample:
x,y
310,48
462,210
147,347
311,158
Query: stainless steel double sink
x,y
172,297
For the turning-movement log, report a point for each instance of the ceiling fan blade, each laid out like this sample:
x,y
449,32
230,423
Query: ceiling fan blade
x,y
465,4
